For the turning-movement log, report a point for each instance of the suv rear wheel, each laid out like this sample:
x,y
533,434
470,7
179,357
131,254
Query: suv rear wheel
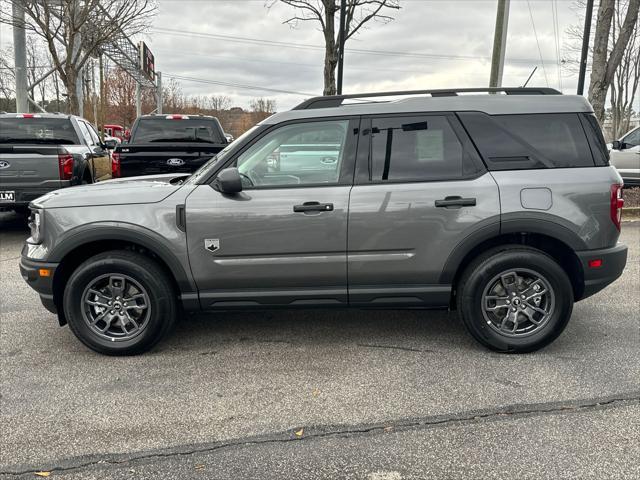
x,y
515,299
119,303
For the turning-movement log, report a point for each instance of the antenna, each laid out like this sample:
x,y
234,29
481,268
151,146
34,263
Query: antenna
x,y
534,71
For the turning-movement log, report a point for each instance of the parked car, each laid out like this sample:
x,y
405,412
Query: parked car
x,y
117,131
503,207
111,142
168,144
625,156
41,152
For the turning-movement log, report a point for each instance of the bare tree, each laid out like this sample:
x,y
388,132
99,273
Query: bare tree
x,y
120,92
75,30
218,103
359,13
262,105
37,66
261,108
624,87
7,77
605,61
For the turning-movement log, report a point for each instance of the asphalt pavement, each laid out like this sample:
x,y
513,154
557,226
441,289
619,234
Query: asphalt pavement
x,y
377,395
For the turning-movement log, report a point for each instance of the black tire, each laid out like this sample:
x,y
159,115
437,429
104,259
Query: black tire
x,y
154,282
481,275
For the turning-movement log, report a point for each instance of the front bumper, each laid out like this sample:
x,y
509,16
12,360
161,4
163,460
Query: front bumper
x,y
31,272
612,263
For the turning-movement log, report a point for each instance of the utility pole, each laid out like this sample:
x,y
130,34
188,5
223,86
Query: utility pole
x,y
159,92
585,46
341,34
94,94
76,48
102,99
138,100
20,56
499,43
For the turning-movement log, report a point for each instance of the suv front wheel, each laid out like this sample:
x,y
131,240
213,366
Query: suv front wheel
x,y
515,299
119,303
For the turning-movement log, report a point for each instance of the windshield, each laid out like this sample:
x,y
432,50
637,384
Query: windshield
x,y
37,130
204,170
162,129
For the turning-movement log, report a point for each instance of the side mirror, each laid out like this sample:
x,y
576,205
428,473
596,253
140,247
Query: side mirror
x,y
228,181
109,144
616,145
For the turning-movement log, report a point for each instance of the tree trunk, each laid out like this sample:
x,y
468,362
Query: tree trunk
x,y
331,49
330,63
605,64
73,104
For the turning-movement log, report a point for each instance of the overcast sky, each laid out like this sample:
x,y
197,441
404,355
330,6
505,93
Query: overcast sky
x,y
453,40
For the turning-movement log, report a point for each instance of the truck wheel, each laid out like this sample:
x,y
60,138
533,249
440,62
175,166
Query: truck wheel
x,y
119,303
515,299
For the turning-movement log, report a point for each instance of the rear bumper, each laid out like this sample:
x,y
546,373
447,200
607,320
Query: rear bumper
x,y
613,261
30,271
24,196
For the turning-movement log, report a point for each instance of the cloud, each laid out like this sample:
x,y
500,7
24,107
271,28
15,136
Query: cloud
x,y
456,35
460,31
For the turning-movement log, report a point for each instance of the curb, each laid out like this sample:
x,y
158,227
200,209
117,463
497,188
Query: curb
x,y
631,213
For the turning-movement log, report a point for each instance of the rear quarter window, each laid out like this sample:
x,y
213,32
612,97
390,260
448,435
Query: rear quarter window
x,y
514,142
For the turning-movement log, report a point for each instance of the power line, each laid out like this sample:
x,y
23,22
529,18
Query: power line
x,y
556,36
279,62
535,33
236,85
306,46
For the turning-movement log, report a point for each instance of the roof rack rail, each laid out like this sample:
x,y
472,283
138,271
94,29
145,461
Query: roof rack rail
x,y
336,100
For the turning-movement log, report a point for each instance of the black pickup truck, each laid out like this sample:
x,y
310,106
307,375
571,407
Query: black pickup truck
x,y
168,144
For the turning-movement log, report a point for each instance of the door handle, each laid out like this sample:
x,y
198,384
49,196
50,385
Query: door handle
x,y
456,202
313,207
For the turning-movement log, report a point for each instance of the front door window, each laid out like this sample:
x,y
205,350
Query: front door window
x,y
300,154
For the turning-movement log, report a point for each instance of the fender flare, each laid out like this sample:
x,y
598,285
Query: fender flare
x,y
522,224
117,231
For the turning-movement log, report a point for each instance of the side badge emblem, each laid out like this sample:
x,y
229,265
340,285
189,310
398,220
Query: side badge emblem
x,y
212,244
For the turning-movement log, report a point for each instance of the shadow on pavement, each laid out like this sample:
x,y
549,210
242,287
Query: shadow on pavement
x,y
413,330
12,222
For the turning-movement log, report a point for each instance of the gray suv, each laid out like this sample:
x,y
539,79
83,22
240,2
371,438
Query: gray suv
x,y
500,205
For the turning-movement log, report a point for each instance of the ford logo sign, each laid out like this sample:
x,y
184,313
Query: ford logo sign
x,y
175,162
4,164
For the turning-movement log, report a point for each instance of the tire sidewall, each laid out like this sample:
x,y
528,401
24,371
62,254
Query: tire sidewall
x,y
154,282
472,299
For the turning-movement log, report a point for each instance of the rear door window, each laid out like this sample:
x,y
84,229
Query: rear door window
x,y
511,142
37,130
95,140
85,133
415,148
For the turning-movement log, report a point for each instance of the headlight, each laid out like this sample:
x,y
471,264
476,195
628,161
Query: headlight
x,y
35,224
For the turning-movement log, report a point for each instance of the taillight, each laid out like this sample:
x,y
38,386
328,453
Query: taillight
x,y
65,166
617,202
115,165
